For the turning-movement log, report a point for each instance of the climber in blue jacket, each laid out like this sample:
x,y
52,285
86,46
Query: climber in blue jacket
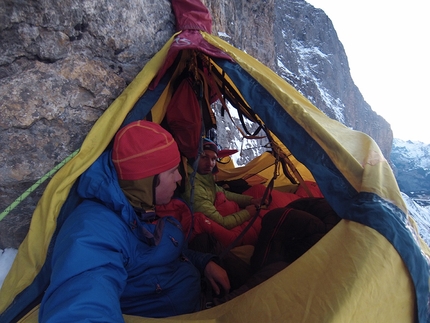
x,y
113,254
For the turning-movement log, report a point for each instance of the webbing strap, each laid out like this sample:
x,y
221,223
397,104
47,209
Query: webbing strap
x,y
214,86
24,195
285,160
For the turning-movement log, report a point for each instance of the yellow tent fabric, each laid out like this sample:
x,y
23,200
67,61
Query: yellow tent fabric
x,y
346,277
352,275
354,153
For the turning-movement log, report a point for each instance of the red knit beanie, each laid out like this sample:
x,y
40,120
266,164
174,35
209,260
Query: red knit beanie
x,y
143,149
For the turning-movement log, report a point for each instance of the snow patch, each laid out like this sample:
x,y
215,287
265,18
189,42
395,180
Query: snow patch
x,y
418,152
283,67
223,34
421,215
311,58
7,257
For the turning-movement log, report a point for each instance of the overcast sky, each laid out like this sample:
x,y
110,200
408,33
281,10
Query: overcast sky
x,y
387,44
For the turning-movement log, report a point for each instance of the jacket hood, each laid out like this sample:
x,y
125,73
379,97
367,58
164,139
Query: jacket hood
x,y
140,193
100,182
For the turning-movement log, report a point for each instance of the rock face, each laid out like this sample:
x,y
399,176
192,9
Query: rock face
x,y
248,25
312,59
62,62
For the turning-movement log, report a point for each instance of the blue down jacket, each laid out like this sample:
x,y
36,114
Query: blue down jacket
x,y
106,262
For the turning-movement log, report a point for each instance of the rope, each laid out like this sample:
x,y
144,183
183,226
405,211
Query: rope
x,y
36,185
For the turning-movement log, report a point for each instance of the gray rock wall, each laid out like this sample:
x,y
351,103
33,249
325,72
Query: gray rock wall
x,y
316,64
61,64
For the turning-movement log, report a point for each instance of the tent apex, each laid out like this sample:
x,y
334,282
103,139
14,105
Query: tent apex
x,y
191,14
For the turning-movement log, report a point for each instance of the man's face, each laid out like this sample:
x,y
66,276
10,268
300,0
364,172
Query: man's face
x,y
207,162
167,185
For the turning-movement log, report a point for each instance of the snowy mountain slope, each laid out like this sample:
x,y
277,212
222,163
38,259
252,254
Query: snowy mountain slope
x,y
411,166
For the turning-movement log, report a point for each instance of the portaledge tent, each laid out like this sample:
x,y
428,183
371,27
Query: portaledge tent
x,y
371,267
